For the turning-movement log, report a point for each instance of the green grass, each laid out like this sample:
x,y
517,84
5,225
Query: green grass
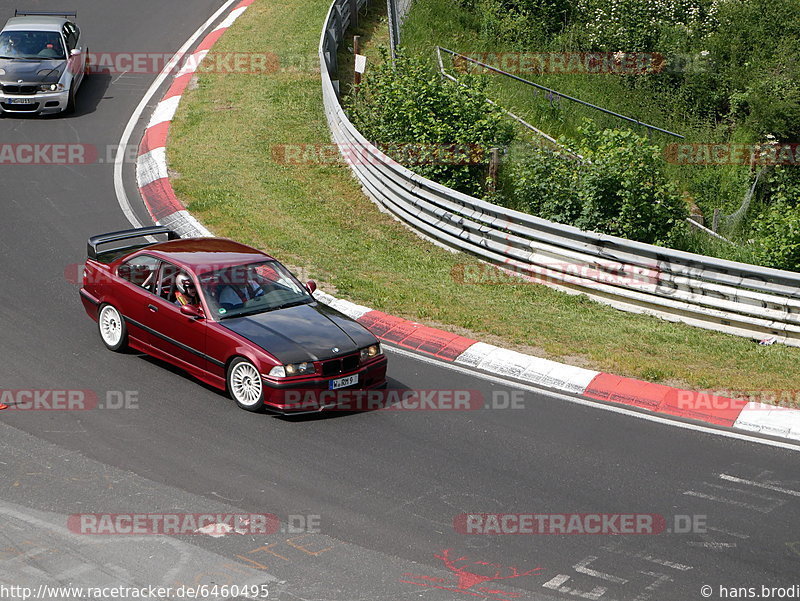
x,y
315,216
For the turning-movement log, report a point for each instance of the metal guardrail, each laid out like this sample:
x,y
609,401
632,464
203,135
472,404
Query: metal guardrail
x,y
736,298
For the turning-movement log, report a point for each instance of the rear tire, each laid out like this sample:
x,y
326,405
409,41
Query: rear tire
x,y
245,385
112,328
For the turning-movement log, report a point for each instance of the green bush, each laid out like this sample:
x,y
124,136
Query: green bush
x,y
777,241
438,128
619,187
636,26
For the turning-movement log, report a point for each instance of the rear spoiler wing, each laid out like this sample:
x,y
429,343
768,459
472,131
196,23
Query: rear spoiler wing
x,y
46,13
95,241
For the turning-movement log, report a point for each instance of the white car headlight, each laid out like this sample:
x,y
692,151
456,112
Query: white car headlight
x,y
277,372
51,87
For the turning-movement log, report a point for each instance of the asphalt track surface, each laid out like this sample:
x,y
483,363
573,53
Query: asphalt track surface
x,y
385,486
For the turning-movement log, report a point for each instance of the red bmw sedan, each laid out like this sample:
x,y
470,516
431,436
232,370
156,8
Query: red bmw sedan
x,y
230,315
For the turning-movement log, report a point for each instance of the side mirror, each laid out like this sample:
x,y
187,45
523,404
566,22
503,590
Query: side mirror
x,y
311,285
124,271
74,51
192,311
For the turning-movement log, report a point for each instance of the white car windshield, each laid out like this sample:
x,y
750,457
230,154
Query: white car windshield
x,y
33,45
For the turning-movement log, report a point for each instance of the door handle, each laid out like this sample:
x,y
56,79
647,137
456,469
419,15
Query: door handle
x,y
153,308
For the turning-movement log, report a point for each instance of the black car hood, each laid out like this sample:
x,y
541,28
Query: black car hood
x,y
302,333
28,70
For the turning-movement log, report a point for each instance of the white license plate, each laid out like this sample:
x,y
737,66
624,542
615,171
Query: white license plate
x,y
20,100
342,382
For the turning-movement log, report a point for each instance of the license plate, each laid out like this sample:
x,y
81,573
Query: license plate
x,y
342,382
20,100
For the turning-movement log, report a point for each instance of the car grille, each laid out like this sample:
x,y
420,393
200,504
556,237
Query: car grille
x,y
337,366
20,107
19,89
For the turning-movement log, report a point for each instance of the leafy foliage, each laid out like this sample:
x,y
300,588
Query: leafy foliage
x,y
619,187
450,128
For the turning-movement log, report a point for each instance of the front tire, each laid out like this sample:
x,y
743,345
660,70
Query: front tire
x,y
112,328
245,385
70,110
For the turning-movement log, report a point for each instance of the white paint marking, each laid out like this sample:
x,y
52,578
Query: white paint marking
x,y
702,495
119,187
557,582
151,166
713,545
729,532
192,63
787,491
581,568
164,111
595,404
235,14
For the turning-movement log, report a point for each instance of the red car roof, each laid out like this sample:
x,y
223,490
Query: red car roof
x,y
206,254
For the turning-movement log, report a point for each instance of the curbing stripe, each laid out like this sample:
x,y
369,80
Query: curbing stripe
x,y
178,86
165,111
166,209
769,419
528,368
658,398
154,137
152,175
151,166
415,336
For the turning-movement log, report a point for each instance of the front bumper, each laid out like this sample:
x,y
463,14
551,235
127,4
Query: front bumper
x,y
42,103
313,395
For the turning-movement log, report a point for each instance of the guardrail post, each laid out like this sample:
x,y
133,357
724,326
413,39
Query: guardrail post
x,y
494,167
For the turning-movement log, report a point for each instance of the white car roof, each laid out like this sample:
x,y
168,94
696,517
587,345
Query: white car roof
x,y
35,23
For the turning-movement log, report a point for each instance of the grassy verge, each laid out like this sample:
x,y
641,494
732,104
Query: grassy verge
x,y
224,144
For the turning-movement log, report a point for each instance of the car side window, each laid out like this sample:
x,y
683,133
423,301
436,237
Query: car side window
x,y
140,270
166,282
71,36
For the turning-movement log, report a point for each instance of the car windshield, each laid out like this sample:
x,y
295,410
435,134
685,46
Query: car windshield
x,y
251,288
36,45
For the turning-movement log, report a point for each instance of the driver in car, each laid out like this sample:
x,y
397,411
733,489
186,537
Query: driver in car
x,y
186,293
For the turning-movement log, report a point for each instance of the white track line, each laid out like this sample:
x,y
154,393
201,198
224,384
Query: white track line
x,y
119,187
787,491
593,403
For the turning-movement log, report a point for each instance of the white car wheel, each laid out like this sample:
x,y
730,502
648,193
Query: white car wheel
x,y
112,328
245,385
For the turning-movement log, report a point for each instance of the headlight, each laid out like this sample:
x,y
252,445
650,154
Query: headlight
x,y
51,87
277,372
293,369
370,352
